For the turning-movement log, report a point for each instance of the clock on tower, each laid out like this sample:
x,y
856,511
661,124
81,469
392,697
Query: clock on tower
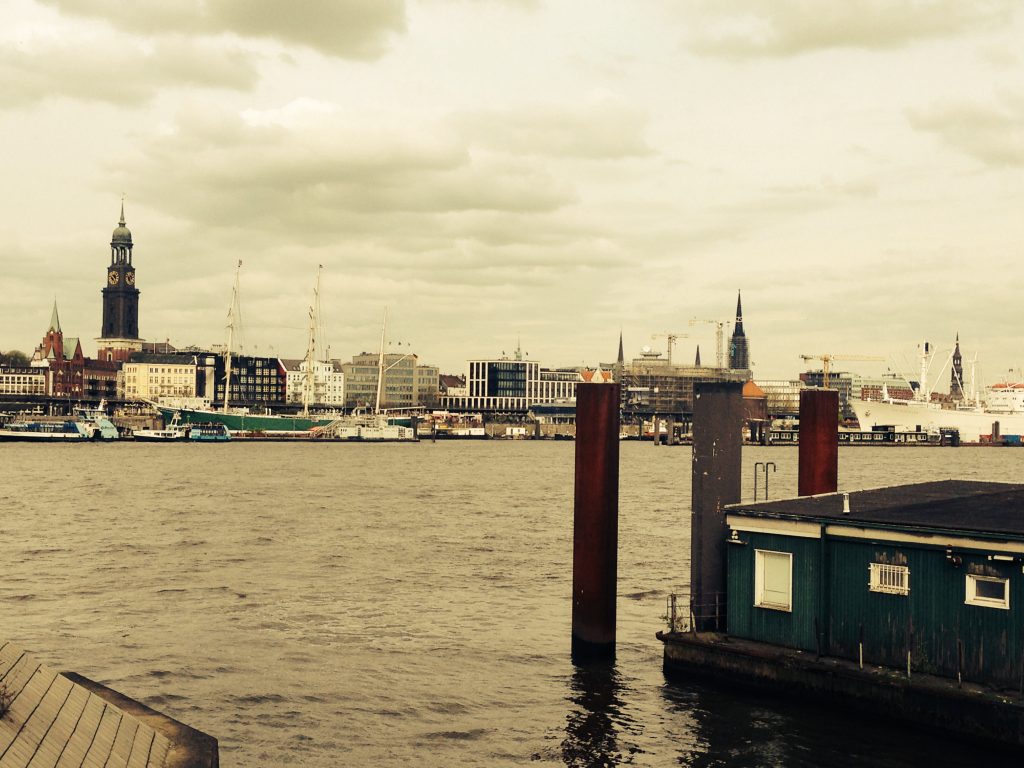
x,y
119,336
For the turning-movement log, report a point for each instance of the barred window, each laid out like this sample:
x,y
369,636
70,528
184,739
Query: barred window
x,y
890,579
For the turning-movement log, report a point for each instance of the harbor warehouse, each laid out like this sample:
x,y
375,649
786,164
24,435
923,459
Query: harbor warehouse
x,y
928,575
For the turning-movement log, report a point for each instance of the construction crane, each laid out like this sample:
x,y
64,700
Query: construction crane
x,y
719,339
826,362
670,341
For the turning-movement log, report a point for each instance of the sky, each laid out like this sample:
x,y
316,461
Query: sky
x,y
543,172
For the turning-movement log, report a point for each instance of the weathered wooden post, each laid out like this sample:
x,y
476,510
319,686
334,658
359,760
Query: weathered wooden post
x,y
819,442
717,453
595,521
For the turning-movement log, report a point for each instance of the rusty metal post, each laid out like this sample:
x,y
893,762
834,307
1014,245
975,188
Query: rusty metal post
x,y
595,521
717,453
819,442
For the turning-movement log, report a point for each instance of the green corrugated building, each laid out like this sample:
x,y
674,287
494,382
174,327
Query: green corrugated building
x,y
934,569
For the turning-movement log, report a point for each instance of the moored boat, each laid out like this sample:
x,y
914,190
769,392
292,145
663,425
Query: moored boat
x,y
45,432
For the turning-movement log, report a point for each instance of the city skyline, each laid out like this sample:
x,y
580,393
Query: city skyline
x,y
517,169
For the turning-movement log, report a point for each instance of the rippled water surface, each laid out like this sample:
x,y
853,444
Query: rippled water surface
x,y
324,605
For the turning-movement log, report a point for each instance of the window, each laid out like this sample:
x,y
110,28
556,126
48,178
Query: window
x,y
773,580
890,579
988,591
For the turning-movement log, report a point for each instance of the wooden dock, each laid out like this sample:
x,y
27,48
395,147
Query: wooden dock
x,y
54,719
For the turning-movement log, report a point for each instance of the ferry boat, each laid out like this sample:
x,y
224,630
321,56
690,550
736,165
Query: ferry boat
x,y
45,431
96,422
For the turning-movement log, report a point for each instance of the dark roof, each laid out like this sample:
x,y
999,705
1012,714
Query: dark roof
x,y
962,505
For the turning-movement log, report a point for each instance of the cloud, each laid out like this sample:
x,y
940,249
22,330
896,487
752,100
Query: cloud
x,y
594,131
113,70
745,28
992,134
352,29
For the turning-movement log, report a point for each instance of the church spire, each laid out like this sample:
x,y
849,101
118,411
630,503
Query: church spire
x,y
739,315
697,361
621,359
54,320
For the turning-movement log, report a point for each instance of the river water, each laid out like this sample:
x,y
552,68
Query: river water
x,y
325,605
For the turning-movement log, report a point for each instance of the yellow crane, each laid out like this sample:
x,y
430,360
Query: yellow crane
x,y
719,339
670,338
827,359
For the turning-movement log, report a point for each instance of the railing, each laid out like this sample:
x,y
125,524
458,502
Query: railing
x,y
683,614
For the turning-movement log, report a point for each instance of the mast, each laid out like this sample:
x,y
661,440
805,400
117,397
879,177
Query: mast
x,y
231,337
309,380
380,363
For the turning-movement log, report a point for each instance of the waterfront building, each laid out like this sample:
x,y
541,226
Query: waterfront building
x,y
407,383
102,379
853,385
512,386
454,386
62,360
328,382
739,346
255,381
655,387
158,377
783,397
22,382
119,336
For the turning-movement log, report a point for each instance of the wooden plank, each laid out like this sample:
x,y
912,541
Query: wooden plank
x,y
80,741
8,656
158,754
57,737
38,724
21,706
99,750
141,747
123,742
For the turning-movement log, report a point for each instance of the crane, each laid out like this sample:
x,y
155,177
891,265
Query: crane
x,y
670,340
826,362
719,339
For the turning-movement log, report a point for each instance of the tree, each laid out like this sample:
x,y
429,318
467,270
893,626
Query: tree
x,y
14,359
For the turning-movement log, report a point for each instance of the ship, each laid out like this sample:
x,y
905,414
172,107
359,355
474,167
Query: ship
x,y
977,419
377,425
45,431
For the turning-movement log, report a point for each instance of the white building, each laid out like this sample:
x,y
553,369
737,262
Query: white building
x,y
327,382
158,377
512,386
23,381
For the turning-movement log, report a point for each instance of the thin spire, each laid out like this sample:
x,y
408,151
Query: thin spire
x,y
54,320
121,222
738,330
697,361
621,359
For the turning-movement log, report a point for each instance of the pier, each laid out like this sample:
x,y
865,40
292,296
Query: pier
x,y
49,718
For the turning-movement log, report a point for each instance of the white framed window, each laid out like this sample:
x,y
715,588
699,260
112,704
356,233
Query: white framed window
x,y
890,579
773,580
988,591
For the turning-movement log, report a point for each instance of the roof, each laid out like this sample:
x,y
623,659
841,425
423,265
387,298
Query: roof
x,y
751,390
961,505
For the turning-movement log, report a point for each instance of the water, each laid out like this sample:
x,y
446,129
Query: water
x,y
324,605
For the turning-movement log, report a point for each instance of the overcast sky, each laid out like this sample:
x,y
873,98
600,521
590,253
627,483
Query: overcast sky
x,y
555,170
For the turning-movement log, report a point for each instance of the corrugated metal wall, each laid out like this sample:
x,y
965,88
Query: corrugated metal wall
x,y
793,629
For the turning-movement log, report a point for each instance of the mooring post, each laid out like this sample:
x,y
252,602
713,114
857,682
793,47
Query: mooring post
x,y
717,472
595,521
819,442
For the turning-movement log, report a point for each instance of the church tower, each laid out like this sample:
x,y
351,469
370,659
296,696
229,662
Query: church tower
x,y
120,334
956,378
739,349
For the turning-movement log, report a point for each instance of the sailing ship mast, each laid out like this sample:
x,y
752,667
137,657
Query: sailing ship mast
x,y
380,362
309,381
231,336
